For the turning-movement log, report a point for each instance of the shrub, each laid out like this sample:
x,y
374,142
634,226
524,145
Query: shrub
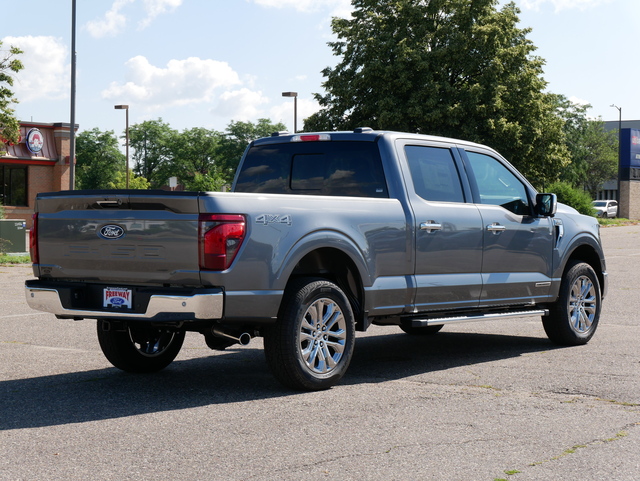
x,y
576,198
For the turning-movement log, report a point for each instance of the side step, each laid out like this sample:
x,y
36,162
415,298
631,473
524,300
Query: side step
x,y
440,321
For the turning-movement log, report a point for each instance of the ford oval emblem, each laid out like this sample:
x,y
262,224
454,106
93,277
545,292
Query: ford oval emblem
x,y
111,231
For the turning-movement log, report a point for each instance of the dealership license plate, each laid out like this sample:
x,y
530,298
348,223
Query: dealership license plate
x,y
118,297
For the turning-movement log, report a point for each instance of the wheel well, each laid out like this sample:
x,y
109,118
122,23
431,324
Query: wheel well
x,y
587,254
337,267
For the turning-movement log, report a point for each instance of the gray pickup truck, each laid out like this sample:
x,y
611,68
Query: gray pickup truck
x,y
322,235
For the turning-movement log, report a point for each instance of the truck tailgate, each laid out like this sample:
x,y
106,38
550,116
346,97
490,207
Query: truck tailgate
x,y
140,237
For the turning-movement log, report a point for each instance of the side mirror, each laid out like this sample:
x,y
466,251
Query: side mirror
x,y
546,205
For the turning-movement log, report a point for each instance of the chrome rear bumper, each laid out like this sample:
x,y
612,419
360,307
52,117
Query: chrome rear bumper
x,y
208,304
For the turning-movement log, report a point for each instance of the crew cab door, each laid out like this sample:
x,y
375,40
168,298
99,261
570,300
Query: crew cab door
x,y
517,245
448,228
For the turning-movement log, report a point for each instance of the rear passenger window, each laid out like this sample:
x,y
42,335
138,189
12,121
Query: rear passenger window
x,y
434,173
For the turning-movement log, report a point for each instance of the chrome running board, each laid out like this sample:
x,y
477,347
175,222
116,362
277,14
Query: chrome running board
x,y
440,321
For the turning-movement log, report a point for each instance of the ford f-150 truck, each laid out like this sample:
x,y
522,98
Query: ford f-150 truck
x,y
323,235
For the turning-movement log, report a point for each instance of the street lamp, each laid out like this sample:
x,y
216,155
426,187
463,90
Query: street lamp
x,y
126,134
295,108
619,147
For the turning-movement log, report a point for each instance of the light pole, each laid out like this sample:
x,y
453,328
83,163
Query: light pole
x,y
126,135
295,108
72,129
619,148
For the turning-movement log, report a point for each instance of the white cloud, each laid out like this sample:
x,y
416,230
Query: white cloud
x,y
181,82
153,8
46,73
241,105
560,5
283,112
340,8
578,101
112,23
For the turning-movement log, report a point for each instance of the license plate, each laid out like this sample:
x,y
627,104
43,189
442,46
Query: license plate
x,y
118,297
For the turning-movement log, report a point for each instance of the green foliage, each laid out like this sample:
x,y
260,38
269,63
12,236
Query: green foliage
x,y
98,159
151,144
14,259
194,159
2,213
9,63
593,150
237,138
447,67
120,181
576,198
202,159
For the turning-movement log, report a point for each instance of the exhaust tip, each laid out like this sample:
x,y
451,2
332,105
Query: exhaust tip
x,y
244,339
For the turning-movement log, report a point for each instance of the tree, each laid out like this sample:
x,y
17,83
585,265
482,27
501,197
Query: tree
x,y
458,68
9,125
135,182
593,150
98,159
600,162
195,153
151,143
238,136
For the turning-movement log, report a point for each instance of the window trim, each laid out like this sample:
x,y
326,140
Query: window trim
x,y
454,149
528,188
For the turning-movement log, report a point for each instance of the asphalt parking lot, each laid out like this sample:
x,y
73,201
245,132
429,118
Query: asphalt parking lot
x,y
481,401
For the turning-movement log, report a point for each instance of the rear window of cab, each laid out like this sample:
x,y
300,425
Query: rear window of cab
x,y
314,168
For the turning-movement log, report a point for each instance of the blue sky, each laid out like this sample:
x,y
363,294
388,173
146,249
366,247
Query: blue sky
x,y
204,63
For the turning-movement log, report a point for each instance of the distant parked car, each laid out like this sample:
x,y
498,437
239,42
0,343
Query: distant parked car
x,y
606,208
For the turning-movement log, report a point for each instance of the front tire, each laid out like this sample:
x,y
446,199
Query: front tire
x,y
139,348
573,319
311,344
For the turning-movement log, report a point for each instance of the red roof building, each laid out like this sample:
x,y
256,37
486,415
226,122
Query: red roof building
x,y
38,163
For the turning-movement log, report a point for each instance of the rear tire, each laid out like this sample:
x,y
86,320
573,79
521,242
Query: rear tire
x,y
573,318
140,348
311,344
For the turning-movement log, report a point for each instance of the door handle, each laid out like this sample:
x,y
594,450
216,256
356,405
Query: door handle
x,y
430,226
496,228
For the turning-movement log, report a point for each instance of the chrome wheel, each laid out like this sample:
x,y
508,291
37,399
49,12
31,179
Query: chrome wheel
x,y
322,336
311,345
573,318
583,304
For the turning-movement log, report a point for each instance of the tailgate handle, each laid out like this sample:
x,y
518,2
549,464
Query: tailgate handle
x,y
106,204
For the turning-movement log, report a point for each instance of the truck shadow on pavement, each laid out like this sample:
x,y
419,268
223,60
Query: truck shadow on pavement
x,y
236,375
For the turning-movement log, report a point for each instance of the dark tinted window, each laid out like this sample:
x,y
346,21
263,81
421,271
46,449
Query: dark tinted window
x,y
434,173
14,185
314,168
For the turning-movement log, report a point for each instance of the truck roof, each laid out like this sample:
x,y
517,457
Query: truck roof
x,y
362,134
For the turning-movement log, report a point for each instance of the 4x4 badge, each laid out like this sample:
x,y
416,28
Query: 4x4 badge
x,y
111,231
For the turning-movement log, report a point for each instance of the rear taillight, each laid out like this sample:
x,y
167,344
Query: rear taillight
x,y
221,236
33,240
